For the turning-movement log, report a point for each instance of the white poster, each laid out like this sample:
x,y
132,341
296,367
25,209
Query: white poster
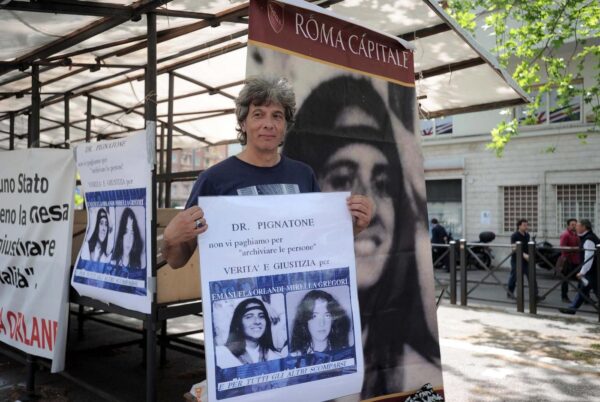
x,y
37,187
486,218
113,265
279,298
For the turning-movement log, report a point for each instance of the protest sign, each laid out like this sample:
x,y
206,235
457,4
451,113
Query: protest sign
x,y
355,126
279,295
113,265
37,187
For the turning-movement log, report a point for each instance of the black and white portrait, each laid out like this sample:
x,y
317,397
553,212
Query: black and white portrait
x,y
357,133
319,320
248,331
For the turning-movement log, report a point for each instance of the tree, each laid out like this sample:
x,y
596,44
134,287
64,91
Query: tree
x,y
529,34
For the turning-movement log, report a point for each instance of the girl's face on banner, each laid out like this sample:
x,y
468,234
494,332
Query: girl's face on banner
x,y
364,169
103,229
319,326
128,237
254,323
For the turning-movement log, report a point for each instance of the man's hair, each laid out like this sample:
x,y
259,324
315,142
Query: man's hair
x,y
587,223
260,91
521,221
571,220
435,221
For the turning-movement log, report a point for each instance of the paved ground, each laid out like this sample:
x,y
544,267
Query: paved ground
x,y
488,353
497,355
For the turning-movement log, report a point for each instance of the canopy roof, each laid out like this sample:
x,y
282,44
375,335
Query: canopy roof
x,y
93,54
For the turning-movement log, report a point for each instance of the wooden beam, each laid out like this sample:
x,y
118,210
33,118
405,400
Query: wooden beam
x,y
448,68
226,15
79,35
211,90
425,32
475,108
92,9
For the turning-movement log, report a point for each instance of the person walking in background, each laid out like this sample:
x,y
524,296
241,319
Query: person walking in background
x,y
588,274
521,235
439,235
569,260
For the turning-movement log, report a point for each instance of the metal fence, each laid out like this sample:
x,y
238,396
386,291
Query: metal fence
x,y
471,275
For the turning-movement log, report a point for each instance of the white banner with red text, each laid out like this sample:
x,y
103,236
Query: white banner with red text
x,y
37,188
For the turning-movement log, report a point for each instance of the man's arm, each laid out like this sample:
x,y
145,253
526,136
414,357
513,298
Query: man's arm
x,y
179,237
361,209
590,246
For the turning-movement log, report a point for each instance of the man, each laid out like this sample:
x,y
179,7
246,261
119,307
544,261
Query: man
x,y
569,260
264,111
439,236
588,274
523,236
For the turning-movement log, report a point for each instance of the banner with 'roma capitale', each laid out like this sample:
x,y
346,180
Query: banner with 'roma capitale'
x,y
355,125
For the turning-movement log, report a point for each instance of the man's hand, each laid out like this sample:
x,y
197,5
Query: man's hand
x,y
361,209
579,275
179,237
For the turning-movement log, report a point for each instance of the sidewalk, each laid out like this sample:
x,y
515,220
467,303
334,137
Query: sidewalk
x,y
498,355
488,354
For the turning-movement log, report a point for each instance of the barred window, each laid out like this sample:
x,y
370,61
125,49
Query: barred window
x,y
578,201
520,202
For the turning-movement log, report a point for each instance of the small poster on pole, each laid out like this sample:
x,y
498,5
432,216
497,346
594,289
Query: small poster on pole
x,y
113,265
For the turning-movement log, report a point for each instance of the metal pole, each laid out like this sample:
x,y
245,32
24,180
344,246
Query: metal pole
x,y
163,343
88,120
532,280
31,369
11,143
598,278
67,122
33,141
463,272
452,253
161,165
80,319
150,113
519,255
34,132
169,141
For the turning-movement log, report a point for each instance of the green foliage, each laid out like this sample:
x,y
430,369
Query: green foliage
x,y
529,35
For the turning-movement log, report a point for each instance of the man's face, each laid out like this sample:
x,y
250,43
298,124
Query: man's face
x,y
580,228
523,227
572,226
264,127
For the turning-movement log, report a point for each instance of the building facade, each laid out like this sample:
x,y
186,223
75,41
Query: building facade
x,y
549,172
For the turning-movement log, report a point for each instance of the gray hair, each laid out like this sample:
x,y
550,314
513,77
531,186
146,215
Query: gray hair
x,y
260,91
586,223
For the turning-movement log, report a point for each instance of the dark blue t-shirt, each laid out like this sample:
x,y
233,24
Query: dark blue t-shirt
x,y
236,177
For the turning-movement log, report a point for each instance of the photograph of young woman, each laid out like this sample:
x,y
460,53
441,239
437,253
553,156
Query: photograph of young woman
x,y
98,241
320,325
250,338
